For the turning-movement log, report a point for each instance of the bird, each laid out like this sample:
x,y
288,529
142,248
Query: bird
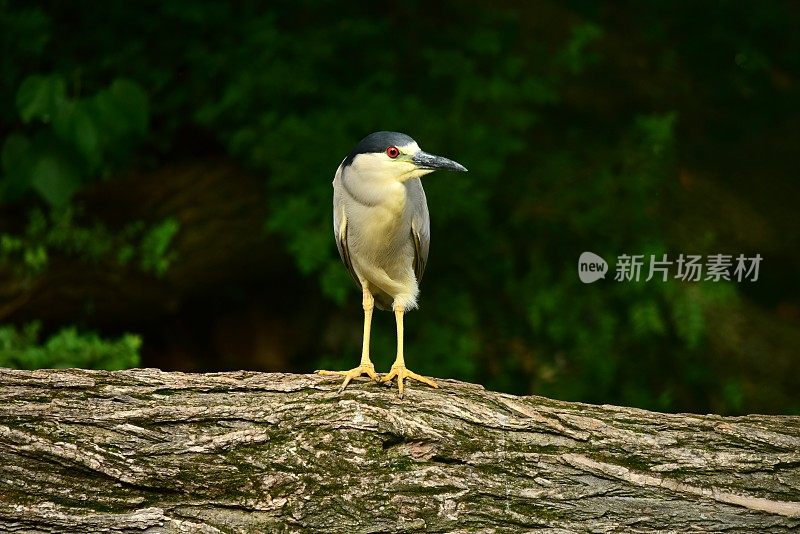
x,y
382,230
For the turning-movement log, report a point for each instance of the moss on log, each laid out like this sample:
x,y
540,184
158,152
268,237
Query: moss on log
x,y
148,451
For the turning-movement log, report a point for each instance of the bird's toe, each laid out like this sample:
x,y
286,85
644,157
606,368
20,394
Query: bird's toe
x,y
363,369
402,373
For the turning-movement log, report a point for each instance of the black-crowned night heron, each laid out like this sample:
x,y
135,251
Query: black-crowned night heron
x,y
382,230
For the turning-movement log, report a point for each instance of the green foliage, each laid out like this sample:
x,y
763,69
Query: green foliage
x,y
61,232
574,130
41,97
67,141
511,230
155,247
22,349
576,55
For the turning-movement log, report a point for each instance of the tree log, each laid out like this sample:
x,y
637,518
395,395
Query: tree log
x,y
149,451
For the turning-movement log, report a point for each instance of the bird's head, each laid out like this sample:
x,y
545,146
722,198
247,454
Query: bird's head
x,y
395,156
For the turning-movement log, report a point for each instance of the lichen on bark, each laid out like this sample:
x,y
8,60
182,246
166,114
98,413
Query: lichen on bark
x,y
148,451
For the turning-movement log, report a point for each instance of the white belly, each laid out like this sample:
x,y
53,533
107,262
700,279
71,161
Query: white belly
x,y
382,251
379,239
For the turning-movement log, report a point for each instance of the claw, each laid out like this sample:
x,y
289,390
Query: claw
x,y
363,369
402,373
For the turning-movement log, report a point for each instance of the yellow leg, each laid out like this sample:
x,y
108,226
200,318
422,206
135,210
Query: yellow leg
x,y
365,367
399,366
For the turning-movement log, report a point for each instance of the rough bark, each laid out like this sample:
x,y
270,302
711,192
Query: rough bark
x,y
148,451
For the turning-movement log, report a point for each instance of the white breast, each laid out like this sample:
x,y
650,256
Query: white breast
x,y
378,230
379,233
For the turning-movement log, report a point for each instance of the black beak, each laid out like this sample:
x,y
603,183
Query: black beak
x,y
423,160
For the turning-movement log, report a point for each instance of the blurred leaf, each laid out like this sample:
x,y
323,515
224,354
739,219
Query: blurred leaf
x,y
154,247
657,131
131,102
21,349
15,152
59,231
733,394
17,162
646,319
54,180
75,125
574,55
336,282
40,97
81,138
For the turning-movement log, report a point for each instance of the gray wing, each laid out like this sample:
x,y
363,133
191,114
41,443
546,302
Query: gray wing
x,y
420,226
340,226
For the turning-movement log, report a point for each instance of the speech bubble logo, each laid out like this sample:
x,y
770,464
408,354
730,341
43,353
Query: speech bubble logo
x,y
591,267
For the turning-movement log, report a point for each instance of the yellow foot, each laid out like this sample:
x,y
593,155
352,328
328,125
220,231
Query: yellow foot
x,y
363,369
402,373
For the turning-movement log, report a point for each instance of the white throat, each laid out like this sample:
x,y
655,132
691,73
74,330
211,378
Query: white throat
x,y
369,182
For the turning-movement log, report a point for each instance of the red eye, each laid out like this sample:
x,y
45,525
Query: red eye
x,y
392,152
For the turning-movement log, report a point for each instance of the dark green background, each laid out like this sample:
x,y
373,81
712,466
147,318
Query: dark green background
x,y
166,193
